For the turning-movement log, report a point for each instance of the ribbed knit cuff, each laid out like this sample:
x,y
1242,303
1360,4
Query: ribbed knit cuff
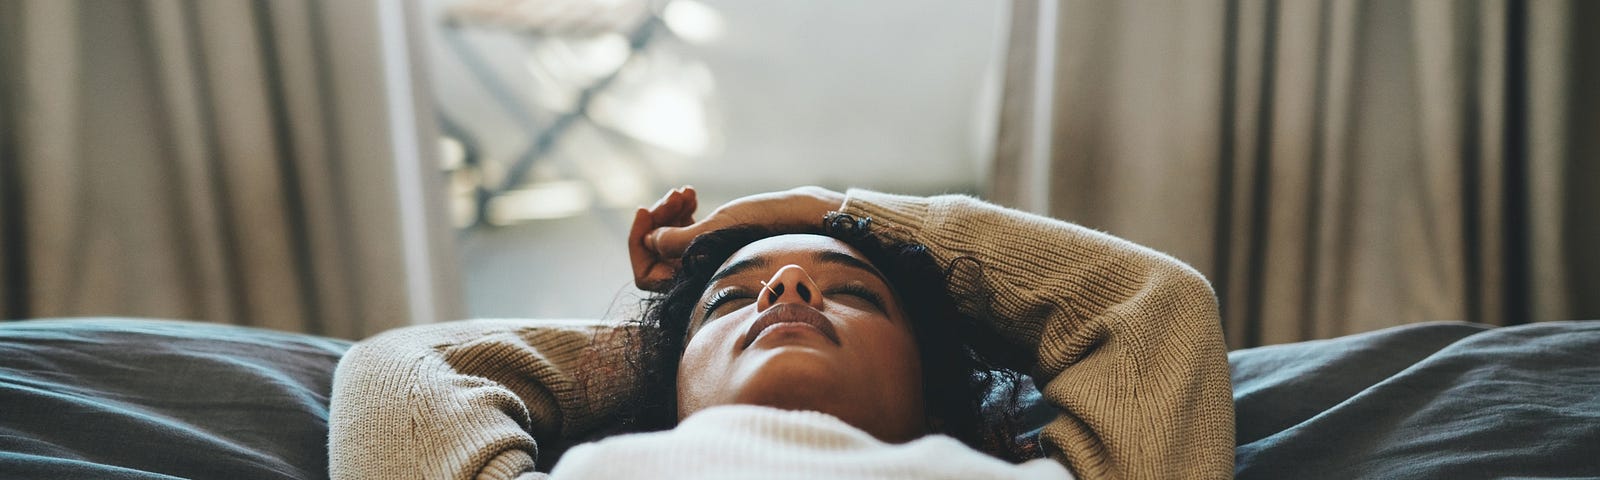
x,y
510,465
902,217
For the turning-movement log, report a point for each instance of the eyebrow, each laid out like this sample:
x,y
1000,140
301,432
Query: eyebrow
x,y
738,268
826,256
830,256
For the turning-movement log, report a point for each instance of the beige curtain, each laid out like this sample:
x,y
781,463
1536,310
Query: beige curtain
x,y
252,162
1333,166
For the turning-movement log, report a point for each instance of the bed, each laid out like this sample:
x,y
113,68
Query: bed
x,y
157,399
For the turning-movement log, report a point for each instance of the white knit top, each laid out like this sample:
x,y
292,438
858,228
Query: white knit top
x,y
747,441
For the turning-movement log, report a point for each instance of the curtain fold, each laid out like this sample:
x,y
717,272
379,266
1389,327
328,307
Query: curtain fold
x,y
224,160
1332,166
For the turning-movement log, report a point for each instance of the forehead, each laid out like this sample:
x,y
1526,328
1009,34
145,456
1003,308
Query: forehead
x,y
791,248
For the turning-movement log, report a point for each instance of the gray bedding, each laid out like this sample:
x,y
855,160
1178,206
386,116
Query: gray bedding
x,y
110,398
145,399
1438,400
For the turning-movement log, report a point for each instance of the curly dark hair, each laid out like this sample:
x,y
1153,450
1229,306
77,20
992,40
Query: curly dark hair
x,y
969,395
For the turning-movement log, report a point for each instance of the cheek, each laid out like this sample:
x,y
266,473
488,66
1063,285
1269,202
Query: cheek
x,y
908,356
891,351
705,363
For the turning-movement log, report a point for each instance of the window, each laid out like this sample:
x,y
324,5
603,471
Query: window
x,y
561,116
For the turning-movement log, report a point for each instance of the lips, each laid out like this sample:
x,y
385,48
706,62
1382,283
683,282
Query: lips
x,y
789,313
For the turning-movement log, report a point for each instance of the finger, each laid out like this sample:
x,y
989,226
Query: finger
x,y
682,215
692,201
670,208
677,211
659,276
662,201
670,242
639,255
652,243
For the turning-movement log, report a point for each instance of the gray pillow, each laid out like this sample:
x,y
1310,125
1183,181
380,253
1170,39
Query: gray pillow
x,y
1433,400
145,399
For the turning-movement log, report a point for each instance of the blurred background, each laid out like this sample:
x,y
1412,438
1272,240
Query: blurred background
x,y
564,116
346,167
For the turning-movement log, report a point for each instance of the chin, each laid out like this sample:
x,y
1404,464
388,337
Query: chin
x,y
789,377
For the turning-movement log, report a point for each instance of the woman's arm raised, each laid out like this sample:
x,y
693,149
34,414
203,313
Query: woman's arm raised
x,y
467,399
1125,340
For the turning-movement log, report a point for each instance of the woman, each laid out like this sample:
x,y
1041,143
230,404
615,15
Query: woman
x,y
1123,339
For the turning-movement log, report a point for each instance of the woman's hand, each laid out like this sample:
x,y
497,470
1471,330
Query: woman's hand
x,y
675,209
662,232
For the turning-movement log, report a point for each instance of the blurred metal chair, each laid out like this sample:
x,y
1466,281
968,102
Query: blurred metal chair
x,y
537,23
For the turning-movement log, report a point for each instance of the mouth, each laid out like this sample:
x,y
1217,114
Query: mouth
x,y
789,313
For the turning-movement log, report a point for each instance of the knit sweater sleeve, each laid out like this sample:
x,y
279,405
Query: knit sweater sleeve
x,y
467,399
1126,341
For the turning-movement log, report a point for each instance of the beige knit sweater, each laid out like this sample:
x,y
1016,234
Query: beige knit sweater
x,y
1127,344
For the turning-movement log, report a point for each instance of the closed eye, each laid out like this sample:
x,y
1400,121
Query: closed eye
x,y
859,291
721,298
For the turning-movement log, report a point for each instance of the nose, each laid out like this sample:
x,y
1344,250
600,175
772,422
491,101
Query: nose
x,y
791,284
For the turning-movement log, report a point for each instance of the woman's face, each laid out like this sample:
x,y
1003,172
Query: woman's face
x,y
803,322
